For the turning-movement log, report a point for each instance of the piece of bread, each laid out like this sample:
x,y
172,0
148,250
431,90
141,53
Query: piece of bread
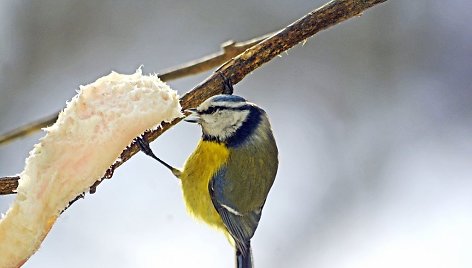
x,y
89,135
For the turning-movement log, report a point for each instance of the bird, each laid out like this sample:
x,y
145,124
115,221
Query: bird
x,y
226,180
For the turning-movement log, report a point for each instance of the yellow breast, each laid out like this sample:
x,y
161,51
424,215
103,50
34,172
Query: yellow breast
x,y
197,173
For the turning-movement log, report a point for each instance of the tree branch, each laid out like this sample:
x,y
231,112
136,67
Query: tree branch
x,y
27,129
8,185
236,69
229,50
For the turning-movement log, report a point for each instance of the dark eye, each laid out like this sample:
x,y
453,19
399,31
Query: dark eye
x,y
211,110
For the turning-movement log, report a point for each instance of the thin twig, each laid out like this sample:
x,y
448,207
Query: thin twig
x,y
27,129
236,69
228,50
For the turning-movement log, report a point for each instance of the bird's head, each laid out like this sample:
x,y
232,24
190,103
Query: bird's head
x,y
227,118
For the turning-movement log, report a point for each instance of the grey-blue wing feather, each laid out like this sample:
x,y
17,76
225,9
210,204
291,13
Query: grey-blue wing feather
x,y
240,225
240,188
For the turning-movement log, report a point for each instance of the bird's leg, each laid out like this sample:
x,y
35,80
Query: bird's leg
x,y
145,148
228,85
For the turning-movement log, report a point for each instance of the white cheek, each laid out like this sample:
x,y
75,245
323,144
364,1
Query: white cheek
x,y
211,124
223,124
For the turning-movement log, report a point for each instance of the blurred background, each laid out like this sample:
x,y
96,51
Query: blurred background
x,y
373,120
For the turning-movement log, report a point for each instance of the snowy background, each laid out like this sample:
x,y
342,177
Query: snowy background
x,y
373,120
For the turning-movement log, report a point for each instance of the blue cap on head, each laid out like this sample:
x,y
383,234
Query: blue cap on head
x,y
227,98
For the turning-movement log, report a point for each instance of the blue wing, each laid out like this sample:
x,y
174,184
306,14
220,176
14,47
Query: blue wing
x,y
239,189
240,224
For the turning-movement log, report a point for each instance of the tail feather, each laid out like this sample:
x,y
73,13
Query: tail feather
x,y
244,255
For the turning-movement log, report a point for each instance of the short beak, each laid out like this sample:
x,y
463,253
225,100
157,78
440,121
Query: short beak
x,y
193,117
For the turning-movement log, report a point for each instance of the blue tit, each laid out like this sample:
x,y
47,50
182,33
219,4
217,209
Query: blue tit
x,y
226,180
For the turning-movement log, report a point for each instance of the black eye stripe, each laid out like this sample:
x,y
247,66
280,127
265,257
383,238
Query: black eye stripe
x,y
213,109
250,124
